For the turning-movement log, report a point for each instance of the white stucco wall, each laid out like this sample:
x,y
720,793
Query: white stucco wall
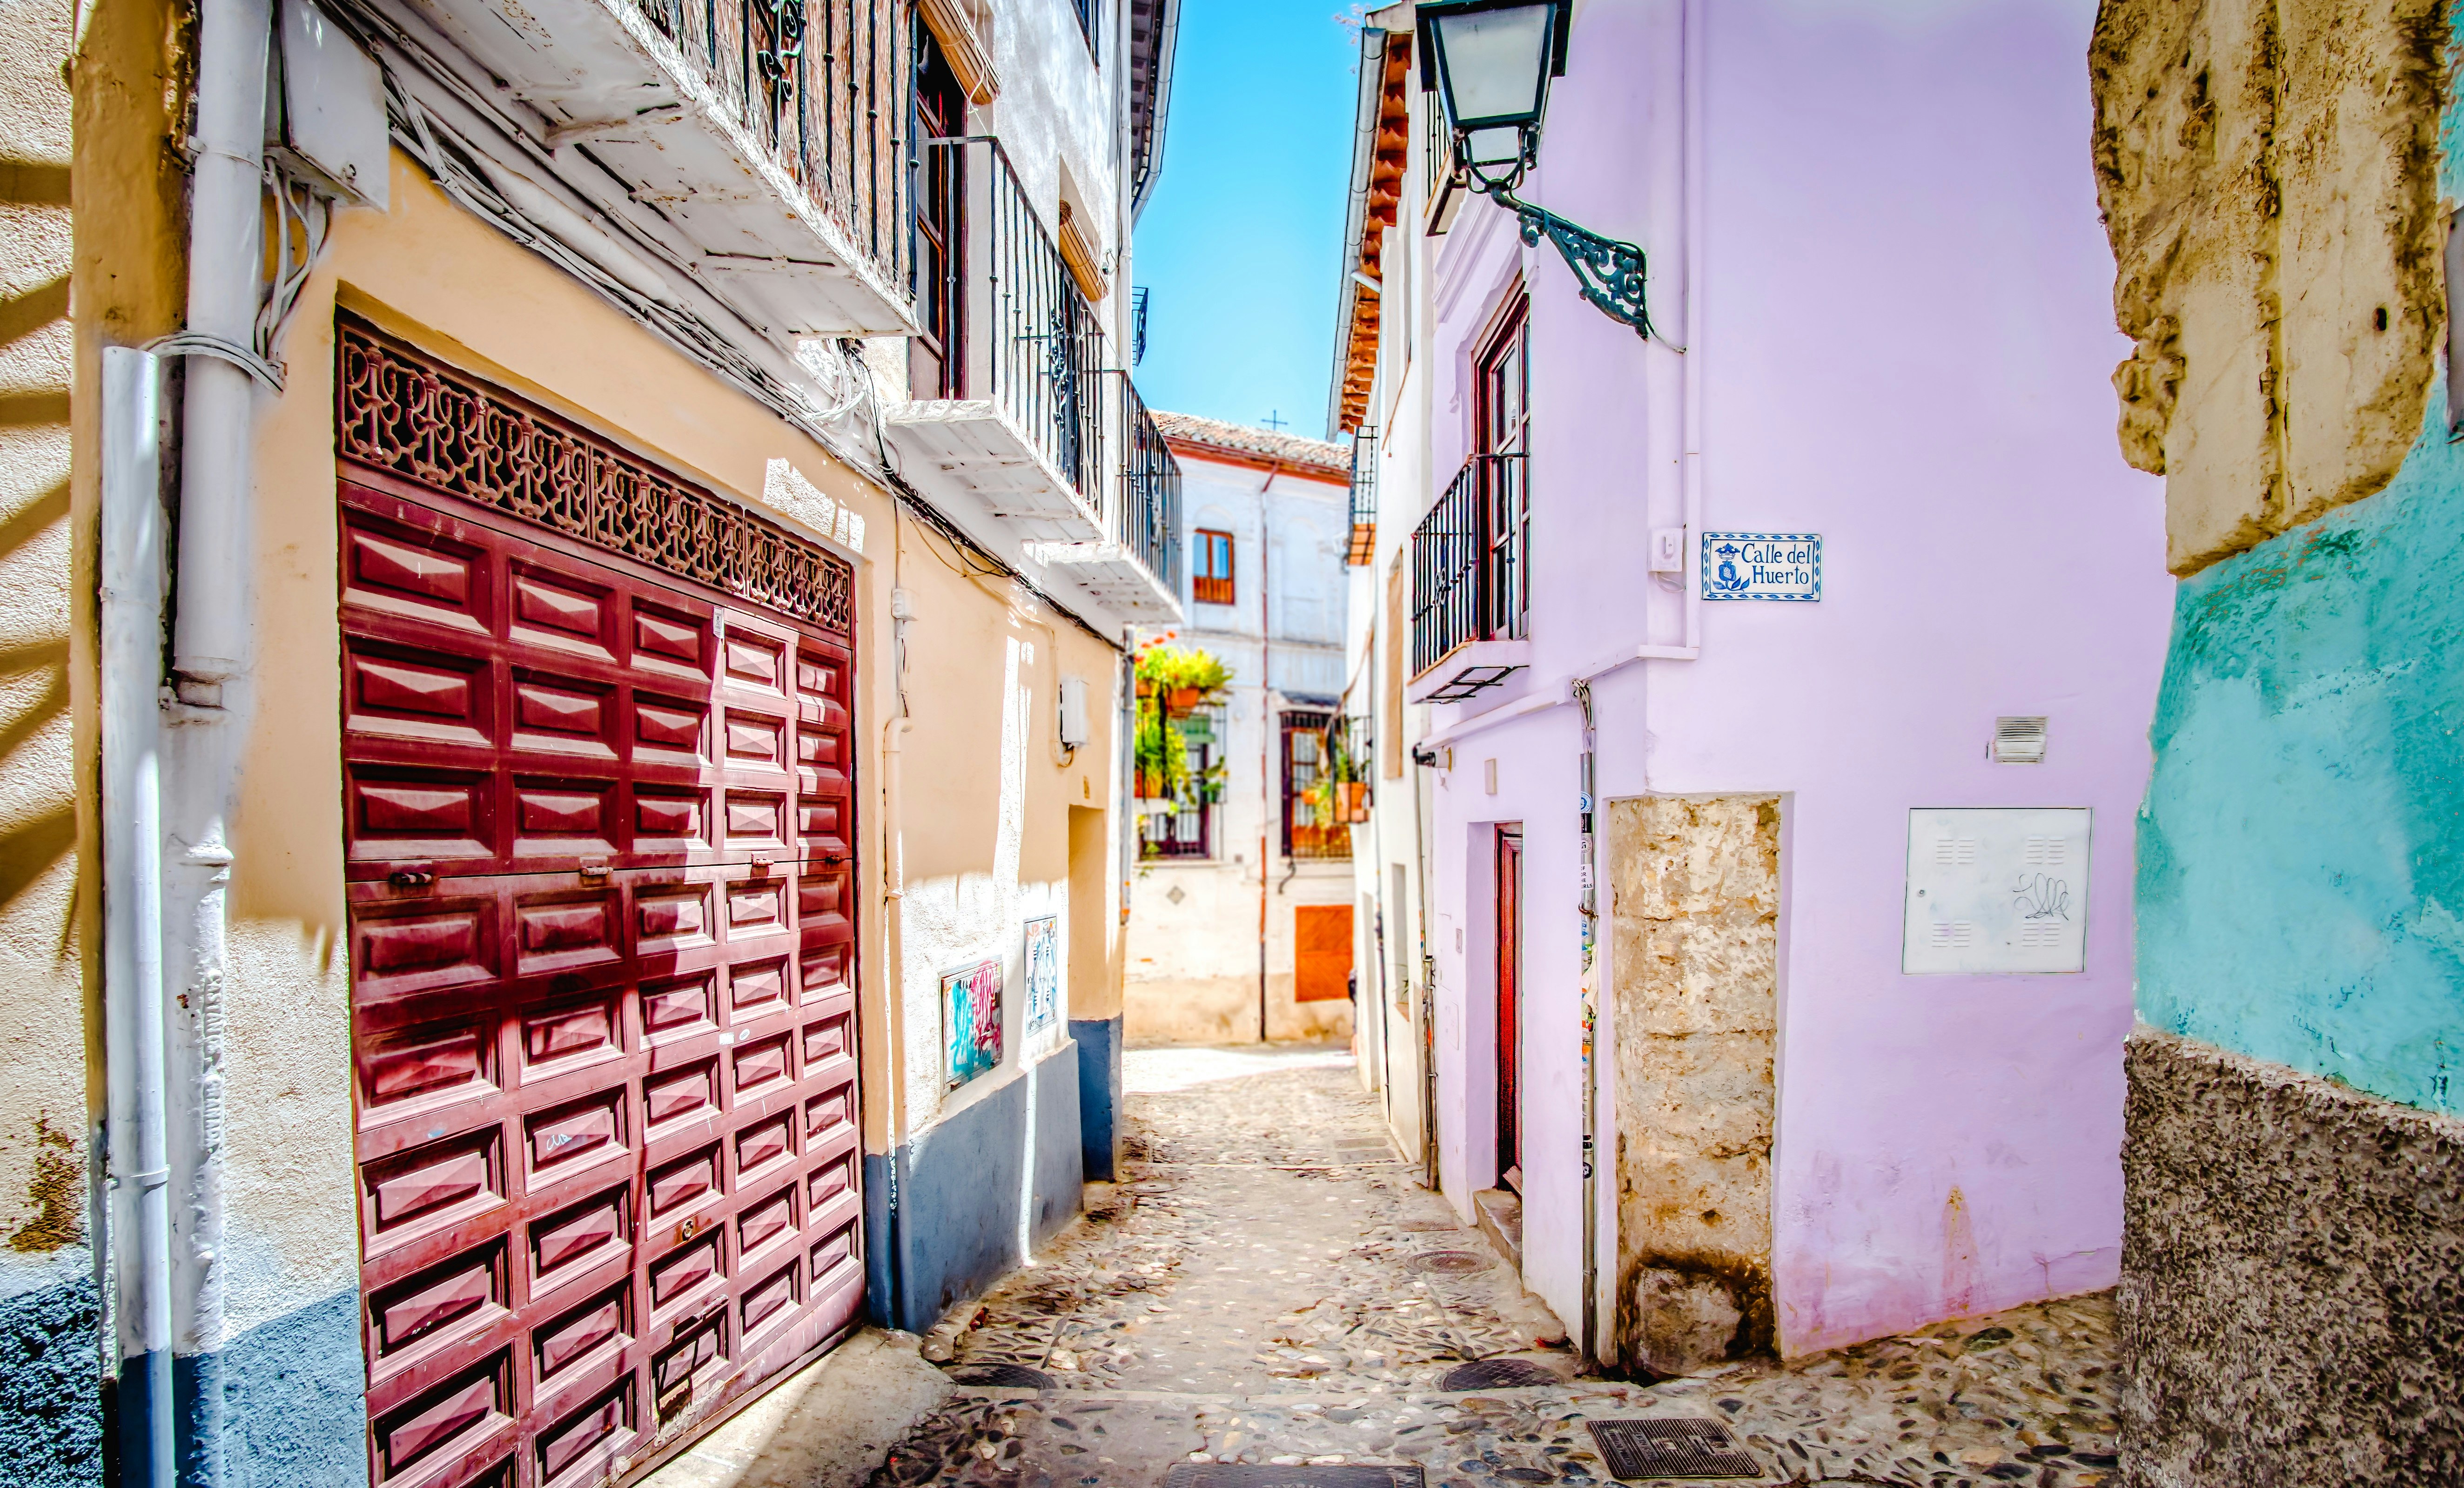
x,y
1193,965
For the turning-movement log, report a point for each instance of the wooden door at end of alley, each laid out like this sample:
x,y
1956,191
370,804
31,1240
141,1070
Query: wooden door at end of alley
x,y
1321,952
600,851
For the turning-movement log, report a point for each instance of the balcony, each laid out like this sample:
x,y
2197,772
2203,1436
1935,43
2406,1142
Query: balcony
x,y
1470,596
1024,434
762,138
1363,546
1042,437
1135,568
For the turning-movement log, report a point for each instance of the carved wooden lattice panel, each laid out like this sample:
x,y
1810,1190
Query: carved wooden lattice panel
x,y
415,417
600,838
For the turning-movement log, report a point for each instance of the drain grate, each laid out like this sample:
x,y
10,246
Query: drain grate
x,y
1243,1475
1426,1226
1000,1376
1680,1447
1450,1263
1500,1374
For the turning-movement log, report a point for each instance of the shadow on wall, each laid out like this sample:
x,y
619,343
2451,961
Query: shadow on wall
x,y
30,846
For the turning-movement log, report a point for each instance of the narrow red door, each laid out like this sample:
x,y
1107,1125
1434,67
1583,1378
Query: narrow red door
x,y
1509,1007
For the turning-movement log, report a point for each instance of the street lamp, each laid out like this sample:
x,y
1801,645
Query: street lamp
x,y
1489,62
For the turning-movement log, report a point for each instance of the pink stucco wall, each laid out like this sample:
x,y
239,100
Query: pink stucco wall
x,y
1900,338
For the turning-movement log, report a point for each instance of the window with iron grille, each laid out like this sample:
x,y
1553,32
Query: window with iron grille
x,y
1091,20
1190,831
1311,824
1210,566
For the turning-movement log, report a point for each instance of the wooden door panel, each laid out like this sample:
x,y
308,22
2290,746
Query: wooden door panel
x,y
599,832
1321,952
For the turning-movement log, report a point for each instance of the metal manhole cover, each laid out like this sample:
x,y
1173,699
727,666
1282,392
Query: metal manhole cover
x,y
1243,1475
1000,1376
1500,1374
1682,1447
1450,1263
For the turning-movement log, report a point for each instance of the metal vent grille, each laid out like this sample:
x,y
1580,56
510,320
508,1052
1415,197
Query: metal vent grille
x,y
2020,741
1682,1447
1243,1475
1501,1374
1000,1376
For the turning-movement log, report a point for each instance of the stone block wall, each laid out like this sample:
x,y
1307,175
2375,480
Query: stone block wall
x,y
1695,924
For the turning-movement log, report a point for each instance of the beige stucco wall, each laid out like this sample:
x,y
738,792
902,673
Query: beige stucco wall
x,y
1695,921
428,271
2278,248
1192,976
47,1103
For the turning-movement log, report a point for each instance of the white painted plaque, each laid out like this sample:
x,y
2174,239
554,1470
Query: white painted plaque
x,y
1996,889
1783,566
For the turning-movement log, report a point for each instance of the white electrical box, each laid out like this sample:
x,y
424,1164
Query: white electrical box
x,y
1996,889
1668,550
1074,731
333,105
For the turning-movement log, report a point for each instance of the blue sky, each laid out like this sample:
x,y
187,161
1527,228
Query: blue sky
x,y
1239,241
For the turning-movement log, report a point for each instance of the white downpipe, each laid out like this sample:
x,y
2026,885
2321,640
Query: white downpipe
x,y
1693,77
210,652
132,593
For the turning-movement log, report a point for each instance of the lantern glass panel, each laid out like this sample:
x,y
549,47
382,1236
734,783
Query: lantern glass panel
x,y
1495,63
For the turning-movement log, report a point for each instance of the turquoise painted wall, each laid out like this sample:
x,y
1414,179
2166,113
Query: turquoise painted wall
x,y
2301,851
2301,893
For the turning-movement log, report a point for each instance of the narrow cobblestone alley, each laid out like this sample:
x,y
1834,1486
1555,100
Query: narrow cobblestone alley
x,y
1273,1287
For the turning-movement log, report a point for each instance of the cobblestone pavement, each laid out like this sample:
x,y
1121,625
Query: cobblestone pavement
x,y
1273,1286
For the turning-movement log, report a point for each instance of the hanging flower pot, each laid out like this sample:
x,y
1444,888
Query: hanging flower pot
x,y
1182,702
1355,800
1146,687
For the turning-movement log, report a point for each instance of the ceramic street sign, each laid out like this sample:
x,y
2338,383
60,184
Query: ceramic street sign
x,y
1762,565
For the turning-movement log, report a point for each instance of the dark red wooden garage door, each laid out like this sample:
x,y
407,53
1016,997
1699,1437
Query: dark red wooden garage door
x,y
600,834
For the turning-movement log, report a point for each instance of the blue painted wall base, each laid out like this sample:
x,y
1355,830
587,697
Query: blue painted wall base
x,y
50,1409
1099,1096
944,1213
290,1394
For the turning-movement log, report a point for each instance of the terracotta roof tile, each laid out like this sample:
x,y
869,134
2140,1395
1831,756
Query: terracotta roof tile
x,y
1266,444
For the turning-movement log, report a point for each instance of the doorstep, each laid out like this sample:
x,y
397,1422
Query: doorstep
x,y
1500,1214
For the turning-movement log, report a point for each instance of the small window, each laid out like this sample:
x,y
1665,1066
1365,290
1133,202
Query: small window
x,y
1310,827
1211,567
1190,830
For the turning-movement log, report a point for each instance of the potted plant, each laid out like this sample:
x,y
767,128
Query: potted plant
x,y
1183,678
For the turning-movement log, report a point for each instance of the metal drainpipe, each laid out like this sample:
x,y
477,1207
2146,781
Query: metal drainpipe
x,y
132,591
1590,991
1422,761
1265,737
210,652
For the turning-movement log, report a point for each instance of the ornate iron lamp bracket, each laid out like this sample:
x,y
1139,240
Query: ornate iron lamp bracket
x,y
1609,272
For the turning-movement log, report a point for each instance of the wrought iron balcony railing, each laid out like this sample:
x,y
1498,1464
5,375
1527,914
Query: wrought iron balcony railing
x,y
1363,546
1033,345
1469,579
1146,517
828,88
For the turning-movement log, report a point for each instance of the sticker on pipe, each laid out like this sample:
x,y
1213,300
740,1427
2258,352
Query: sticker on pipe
x,y
1780,566
1996,890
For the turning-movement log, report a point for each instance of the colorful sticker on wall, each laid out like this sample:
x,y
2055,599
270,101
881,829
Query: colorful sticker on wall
x,y
971,1016
1043,974
1783,566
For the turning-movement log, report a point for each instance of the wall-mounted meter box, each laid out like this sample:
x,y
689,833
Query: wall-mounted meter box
x,y
1996,889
